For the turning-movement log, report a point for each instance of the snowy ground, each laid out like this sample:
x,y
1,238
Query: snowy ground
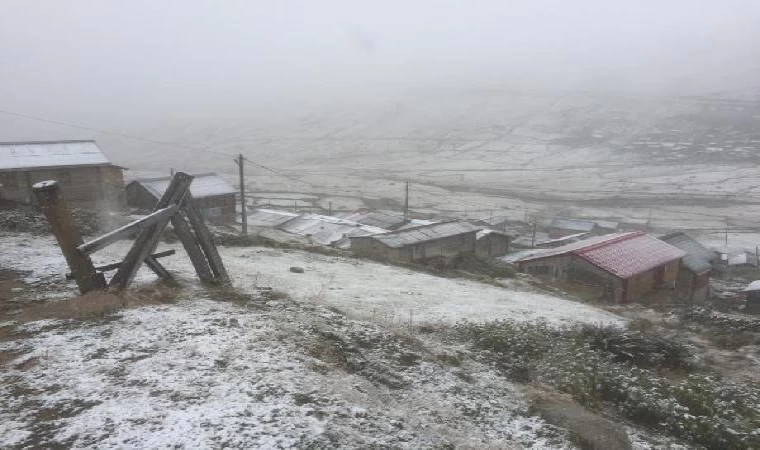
x,y
246,372
361,288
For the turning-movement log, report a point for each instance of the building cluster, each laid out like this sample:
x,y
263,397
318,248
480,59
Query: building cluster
x,y
619,259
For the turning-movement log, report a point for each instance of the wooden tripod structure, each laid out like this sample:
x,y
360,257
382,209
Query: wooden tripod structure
x,y
175,207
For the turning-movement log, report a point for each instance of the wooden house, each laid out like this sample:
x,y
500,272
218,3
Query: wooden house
x,y
693,283
491,244
627,265
213,196
445,240
86,176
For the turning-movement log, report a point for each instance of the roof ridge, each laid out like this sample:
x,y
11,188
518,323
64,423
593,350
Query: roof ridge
x,y
612,240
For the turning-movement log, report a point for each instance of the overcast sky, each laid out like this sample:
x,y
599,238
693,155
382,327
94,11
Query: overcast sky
x,y
101,60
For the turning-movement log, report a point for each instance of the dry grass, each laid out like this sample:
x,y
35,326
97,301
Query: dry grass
x,y
98,304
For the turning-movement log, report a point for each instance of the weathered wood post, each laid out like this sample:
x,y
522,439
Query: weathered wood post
x,y
53,206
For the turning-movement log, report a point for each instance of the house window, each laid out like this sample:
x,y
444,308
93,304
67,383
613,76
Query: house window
x,y
9,180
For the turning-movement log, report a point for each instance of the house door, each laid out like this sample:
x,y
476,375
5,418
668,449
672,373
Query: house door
x,y
659,275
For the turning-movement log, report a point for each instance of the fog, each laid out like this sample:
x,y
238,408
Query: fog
x,y
117,63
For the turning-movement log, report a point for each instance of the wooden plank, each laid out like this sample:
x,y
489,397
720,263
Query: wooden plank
x,y
53,205
158,269
127,230
148,239
114,266
205,239
190,243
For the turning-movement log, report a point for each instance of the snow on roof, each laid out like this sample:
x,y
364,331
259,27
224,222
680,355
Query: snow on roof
x,y
29,155
572,224
607,224
380,219
203,185
414,223
754,286
424,233
262,217
487,231
621,254
543,240
325,230
698,257
515,256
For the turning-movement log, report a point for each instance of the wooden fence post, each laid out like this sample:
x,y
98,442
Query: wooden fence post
x,y
53,206
147,241
205,239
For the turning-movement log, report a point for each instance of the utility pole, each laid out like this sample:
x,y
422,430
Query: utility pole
x,y
240,161
406,203
726,236
533,237
329,208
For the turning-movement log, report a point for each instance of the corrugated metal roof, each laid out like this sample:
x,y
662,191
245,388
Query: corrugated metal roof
x,y
630,255
411,236
572,224
325,230
29,155
569,248
698,257
269,217
414,223
607,224
203,185
380,219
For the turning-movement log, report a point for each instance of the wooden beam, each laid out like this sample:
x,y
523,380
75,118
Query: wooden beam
x,y
190,243
158,269
53,205
205,239
127,230
146,242
114,266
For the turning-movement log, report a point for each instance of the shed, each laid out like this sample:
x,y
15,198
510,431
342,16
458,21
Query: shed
x,y
263,217
328,230
491,243
629,265
380,219
213,196
693,284
562,227
439,240
86,176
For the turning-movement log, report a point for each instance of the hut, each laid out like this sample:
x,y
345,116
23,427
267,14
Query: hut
x,y
693,283
491,244
212,195
86,176
445,240
628,265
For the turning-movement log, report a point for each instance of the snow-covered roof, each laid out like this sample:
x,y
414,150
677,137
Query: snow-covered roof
x,y
621,254
262,217
380,219
424,233
414,223
572,224
698,257
754,286
325,230
31,155
488,231
203,185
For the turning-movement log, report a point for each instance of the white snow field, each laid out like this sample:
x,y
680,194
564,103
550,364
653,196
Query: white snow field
x,y
208,371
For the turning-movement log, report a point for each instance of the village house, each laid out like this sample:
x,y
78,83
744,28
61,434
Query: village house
x,y
327,230
626,265
86,176
491,244
542,240
269,218
693,283
563,227
445,240
212,195
379,219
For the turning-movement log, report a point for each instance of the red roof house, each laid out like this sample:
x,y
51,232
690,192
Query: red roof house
x,y
630,264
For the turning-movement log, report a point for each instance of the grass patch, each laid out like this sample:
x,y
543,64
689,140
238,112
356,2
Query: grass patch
x,y
600,367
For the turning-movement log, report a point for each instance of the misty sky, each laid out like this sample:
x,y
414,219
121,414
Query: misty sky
x,y
119,59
